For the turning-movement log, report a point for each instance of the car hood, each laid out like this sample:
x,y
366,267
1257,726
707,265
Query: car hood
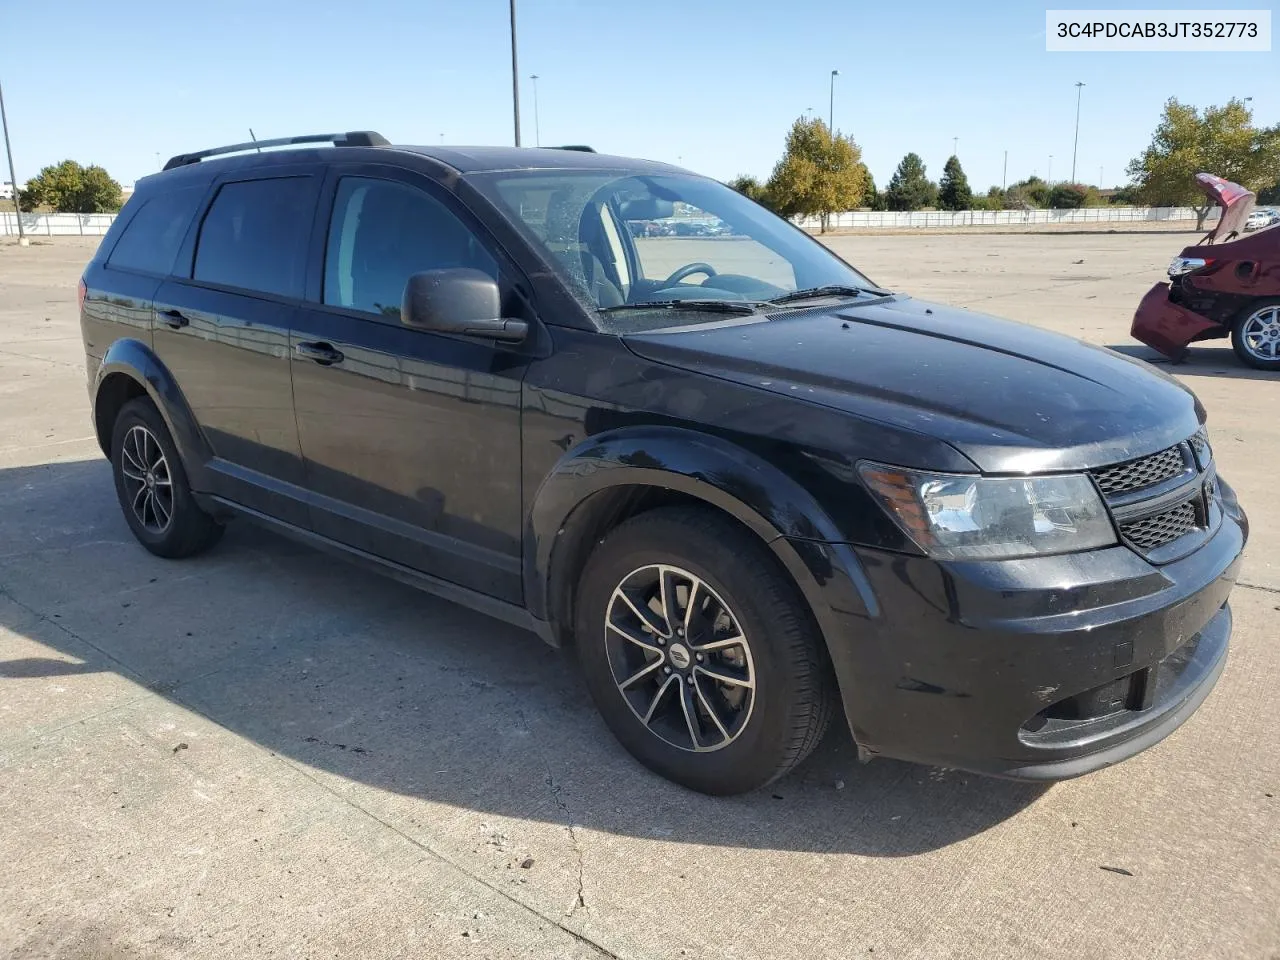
x,y
1012,398
1235,201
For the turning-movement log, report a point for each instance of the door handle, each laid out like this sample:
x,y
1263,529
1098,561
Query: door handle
x,y
174,319
321,352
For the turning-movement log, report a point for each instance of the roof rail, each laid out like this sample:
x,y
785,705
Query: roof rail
x,y
580,147
354,138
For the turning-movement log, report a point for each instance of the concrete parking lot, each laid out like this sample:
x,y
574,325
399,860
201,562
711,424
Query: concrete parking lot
x,y
266,752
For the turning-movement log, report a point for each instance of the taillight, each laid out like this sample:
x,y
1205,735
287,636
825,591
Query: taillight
x,y
82,293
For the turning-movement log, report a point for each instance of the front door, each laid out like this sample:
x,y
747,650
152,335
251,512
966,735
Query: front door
x,y
411,440
222,328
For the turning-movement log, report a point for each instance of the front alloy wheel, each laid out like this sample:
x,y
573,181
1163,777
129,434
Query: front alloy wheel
x,y
680,658
700,652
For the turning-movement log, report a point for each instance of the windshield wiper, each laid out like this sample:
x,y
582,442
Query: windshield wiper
x,y
743,307
832,290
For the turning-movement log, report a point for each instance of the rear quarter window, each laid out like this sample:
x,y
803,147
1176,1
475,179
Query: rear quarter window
x,y
151,239
255,235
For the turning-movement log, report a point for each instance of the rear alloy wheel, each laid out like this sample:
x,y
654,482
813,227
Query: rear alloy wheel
x,y
1256,335
151,485
700,652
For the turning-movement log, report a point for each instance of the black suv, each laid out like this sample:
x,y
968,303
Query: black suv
x,y
625,407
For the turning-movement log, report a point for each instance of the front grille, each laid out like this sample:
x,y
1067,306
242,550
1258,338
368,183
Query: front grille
x,y
1144,472
1151,532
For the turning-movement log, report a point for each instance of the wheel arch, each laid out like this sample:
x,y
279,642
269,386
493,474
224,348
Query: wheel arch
x,y
129,370
614,476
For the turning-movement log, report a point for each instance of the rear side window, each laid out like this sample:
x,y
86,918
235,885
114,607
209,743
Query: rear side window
x,y
151,240
255,236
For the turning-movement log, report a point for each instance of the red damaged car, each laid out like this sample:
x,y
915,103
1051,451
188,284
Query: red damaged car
x,y
1228,285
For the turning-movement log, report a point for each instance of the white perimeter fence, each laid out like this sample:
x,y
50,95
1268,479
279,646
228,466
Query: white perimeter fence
x,y
96,224
56,224
873,219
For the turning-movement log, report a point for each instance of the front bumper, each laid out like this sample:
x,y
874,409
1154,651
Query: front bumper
x,y
1164,325
1037,669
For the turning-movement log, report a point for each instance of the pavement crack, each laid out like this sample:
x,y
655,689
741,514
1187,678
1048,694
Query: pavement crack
x,y
431,851
1257,586
563,807
125,669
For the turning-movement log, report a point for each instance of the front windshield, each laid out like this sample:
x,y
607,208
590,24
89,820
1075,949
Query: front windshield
x,y
633,247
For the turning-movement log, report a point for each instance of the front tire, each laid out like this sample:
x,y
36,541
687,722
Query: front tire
x,y
1255,336
700,653
152,487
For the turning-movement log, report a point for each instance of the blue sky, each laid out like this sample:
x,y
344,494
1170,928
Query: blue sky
x,y
711,84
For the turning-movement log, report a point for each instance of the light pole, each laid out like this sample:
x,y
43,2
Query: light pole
x,y
1099,178
4,121
955,146
537,127
1049,178
1004,174
1079,92
831,109
515,76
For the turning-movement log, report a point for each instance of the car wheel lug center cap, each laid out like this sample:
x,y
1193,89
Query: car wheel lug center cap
x,y
678,653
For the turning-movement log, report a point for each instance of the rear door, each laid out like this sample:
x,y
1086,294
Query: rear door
x,y
222,328
411,439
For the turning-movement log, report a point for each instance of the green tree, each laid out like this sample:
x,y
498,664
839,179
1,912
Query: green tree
x,y
1028,194
752,188
910,188
1067,196
953,190
1126,196
870,195
819,174
993,199
1218,140
1270,194
70,188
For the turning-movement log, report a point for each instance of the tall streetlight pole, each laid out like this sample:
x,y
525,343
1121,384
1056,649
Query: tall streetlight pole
x,y
831,109
1079,91
1049,179
4,121
537,126
1004,174
515,75
955,146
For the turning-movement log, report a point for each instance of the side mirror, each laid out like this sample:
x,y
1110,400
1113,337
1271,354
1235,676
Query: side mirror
x,y
460,301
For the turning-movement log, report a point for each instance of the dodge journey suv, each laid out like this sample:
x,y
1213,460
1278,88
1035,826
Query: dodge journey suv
x,y
628,409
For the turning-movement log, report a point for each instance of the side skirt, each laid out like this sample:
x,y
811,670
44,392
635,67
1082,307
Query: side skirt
x,y
498,609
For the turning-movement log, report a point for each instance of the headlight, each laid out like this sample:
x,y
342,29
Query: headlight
x,y
992,518
1181,265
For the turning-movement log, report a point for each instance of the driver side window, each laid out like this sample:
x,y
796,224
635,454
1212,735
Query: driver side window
x,y
381,233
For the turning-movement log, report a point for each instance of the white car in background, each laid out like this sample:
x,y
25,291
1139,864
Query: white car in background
x,y
1259,219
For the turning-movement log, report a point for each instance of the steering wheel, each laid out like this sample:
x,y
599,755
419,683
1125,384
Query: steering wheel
x,y
688,270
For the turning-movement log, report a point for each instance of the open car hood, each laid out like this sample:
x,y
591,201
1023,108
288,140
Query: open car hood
x,y
1236,203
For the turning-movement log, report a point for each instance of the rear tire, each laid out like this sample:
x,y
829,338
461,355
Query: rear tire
x,y
152,487
1255,336
723,717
